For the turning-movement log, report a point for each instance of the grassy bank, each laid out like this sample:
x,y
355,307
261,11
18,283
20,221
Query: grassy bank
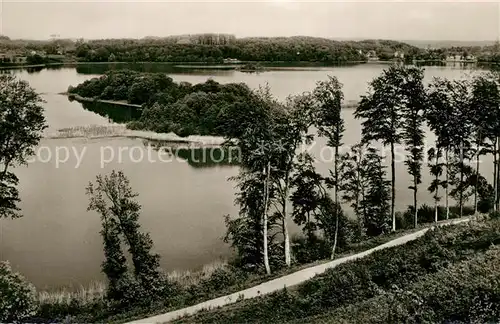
x,y
382,273
214,280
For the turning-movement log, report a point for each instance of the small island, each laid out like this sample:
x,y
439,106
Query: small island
x,y
251,67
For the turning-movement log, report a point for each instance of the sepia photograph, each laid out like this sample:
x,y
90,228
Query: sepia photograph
x,y
259,161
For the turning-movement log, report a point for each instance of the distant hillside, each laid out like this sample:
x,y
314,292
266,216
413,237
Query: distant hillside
x,y
447,43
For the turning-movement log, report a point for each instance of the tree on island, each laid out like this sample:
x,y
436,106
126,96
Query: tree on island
x,y
21,126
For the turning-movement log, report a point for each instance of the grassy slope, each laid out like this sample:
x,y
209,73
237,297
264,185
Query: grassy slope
x,y
468,291
362,280
212,282
253,280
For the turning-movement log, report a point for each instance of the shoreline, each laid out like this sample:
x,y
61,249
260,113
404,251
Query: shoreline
x,y
79,98
347,104
121,131
27,66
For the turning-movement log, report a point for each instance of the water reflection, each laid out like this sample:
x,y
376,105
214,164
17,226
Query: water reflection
x,y
114,113
196,156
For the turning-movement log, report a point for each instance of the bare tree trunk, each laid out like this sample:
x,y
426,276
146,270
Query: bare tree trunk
x,y
393,183
286,235
477,179
415,200
266,203
495,182
497,168
436,203
334,248
447,185
288,259
337,207
461,198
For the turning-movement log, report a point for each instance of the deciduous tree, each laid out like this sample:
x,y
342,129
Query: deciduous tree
x,y
21,126
329,122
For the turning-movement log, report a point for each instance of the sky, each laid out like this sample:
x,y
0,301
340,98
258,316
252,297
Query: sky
x,y
423,20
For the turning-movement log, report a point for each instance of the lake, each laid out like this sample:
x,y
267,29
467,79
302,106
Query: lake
x,y
57,242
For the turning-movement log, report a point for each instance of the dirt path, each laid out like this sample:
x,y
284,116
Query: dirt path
x,y
285,281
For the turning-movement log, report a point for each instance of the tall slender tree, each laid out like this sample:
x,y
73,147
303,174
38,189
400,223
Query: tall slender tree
x,y
353,171
382,111
480,120
309,190
439,116
257,137
315,209
329,122
376,199
436,169
459,92
414,108
292,132
486,103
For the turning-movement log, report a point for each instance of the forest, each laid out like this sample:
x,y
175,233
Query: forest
x,y
214,48
287,49
350,208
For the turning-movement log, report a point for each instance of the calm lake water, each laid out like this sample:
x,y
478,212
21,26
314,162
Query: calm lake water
x,y
57,242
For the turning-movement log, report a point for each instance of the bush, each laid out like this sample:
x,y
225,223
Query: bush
x,y
307,250
466,292
17,296
494,215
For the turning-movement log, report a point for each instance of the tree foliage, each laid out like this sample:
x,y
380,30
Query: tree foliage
x,y
21,125
17,296
112,197
394,95
207,108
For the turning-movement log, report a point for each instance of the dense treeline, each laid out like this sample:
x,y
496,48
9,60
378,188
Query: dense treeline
x,y
393,113
181,108
289,49
214,48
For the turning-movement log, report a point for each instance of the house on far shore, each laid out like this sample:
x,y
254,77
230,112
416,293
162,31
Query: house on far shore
x,y
460,58
372,55
471,57
398,54
12,58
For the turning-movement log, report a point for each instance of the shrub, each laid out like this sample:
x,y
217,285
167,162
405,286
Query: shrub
x,y
465,292
17,296
307,250
494,215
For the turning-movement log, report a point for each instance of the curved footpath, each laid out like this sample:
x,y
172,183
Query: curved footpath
x,y
285,281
